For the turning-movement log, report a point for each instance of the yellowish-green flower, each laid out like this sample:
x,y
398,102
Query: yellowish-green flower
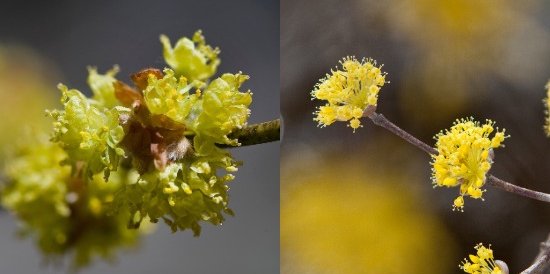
x,y
170,96
191,189
348,91
102,86
191,58
465,155
88,132
481,263
167,129
546,102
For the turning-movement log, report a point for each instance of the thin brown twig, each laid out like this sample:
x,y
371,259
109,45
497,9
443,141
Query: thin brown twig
x,y
542,260
382,121
503,185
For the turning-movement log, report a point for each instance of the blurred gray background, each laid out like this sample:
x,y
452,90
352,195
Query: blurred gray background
x,y
72,35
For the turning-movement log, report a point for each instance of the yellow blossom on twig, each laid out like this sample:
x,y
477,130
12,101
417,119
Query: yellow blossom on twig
x,y
465,155
349,91
481,263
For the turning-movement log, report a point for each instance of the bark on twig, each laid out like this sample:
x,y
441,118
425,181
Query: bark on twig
x,y
542,260
257,134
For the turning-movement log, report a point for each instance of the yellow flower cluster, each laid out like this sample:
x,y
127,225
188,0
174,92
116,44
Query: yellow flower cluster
x,y
546,102
465,155
348,91
482,263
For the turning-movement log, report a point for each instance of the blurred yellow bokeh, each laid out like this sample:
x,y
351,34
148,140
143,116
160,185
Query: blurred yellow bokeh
x,y
342,217
454,47
26,89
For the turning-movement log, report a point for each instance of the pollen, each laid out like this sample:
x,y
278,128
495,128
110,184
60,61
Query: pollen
x,y
348,91
464,157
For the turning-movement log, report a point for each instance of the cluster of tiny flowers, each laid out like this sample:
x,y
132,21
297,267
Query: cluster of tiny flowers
x,y
546,102
142,151
88,132
465,155
348,92
192,58
481,263
181,183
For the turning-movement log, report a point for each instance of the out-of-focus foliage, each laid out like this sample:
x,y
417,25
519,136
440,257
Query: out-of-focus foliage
x,y
26,89
349,218
457,43
60,211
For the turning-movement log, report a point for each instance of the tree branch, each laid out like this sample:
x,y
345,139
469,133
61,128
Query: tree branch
x,y
257,133
503,185
542,260
382,121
